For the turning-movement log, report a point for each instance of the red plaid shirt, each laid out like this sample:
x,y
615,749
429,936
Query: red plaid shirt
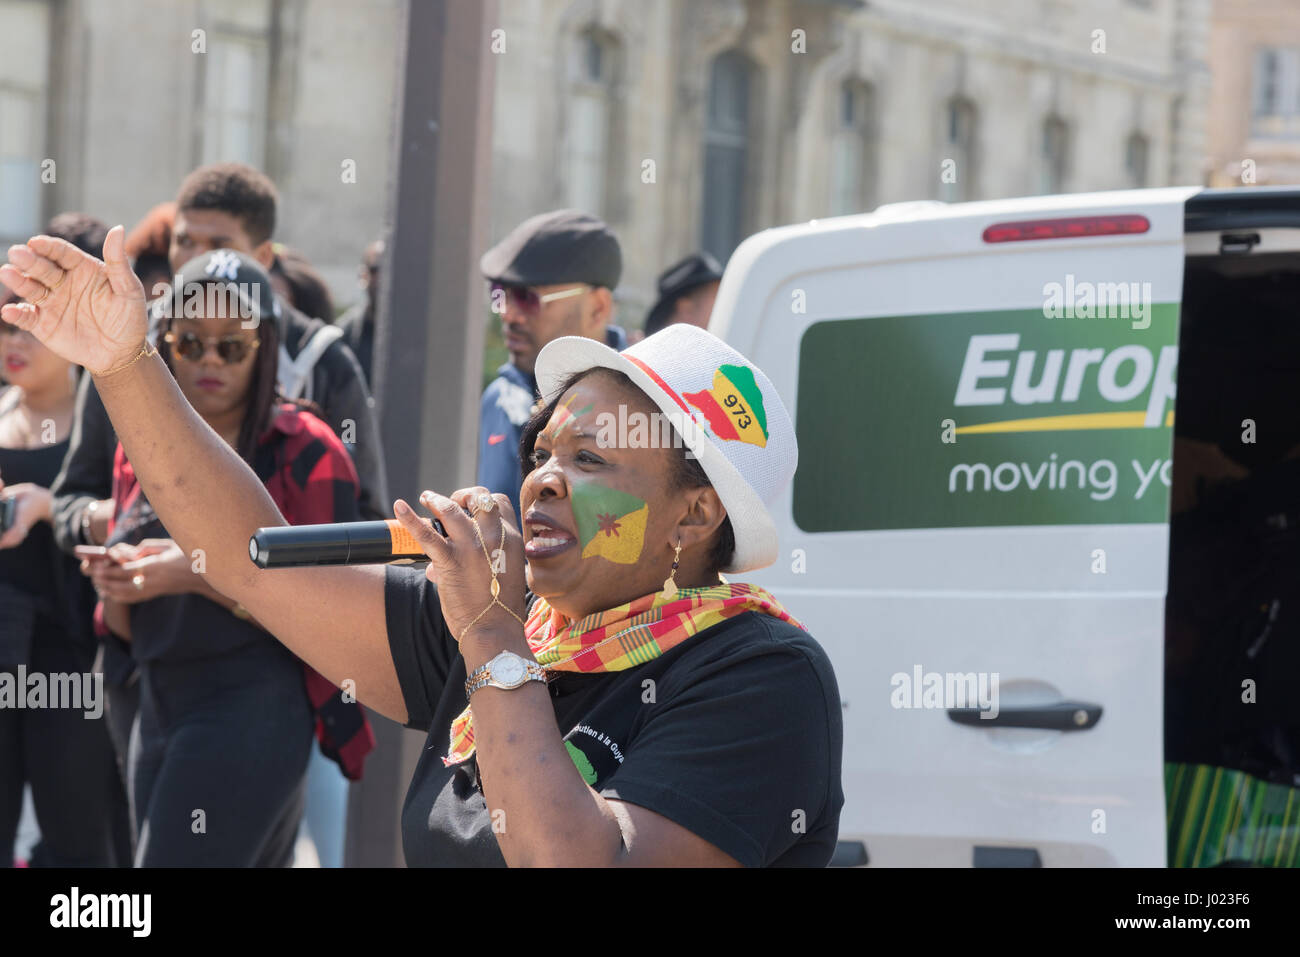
x,y
312,480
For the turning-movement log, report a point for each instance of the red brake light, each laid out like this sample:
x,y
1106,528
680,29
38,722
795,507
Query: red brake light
x,y
1066,228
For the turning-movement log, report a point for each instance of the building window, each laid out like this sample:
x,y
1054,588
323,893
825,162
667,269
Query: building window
x,y
851,152
235,84
588,136
1136,150
958,146
1055,163
24,90
726,137
1275,112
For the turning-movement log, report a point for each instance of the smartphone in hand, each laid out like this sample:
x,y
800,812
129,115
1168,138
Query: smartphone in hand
x,y
92,553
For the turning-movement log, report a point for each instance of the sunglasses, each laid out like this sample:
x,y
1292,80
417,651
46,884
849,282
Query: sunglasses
x,y
525,299
192,347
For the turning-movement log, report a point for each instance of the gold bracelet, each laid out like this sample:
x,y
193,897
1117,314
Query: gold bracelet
x,y
496,585
145,350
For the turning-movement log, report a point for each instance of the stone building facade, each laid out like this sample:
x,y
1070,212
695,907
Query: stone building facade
x,y
1254,110
124,98
685,123
689,124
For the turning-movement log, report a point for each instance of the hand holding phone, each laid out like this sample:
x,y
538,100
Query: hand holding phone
x,y
91,555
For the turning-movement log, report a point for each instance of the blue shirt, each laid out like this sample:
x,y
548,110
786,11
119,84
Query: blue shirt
x,y
506,406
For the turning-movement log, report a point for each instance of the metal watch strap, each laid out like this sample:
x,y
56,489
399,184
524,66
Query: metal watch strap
x,y
481,677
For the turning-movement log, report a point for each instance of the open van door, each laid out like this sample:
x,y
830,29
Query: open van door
x,y
1232,625
977,532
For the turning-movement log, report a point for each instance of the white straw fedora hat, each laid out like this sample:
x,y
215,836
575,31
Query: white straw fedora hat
x,y
723,406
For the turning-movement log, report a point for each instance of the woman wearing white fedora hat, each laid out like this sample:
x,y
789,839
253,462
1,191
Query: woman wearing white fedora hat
x,y
629,705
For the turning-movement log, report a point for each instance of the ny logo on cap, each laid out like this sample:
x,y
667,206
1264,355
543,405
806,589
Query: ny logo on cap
x,y
224,264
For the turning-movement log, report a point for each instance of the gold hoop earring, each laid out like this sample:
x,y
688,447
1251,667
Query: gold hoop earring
x,y
670,583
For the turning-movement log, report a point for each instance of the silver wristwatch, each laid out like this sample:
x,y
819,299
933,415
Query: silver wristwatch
x,y
507,670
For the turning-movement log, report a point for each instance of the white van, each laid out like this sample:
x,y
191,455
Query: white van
x,y
994,429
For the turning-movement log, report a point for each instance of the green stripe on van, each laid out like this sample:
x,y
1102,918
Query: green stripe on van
x,y
1221,815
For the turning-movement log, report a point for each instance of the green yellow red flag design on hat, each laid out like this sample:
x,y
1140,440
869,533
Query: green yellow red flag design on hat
x,y
611,524
733,406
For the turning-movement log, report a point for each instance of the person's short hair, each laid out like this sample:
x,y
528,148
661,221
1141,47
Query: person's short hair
x,y
308,289
81,229
233,188
152,236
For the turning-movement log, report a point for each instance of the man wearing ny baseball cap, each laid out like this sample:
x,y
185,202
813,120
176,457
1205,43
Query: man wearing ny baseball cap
x,y
552,276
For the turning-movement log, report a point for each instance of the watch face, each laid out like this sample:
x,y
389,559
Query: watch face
x,y
509,670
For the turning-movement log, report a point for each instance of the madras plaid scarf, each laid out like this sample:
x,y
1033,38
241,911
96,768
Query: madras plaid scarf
x,y
624,637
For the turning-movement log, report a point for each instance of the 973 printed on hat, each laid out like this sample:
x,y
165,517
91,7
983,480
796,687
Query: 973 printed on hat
x,y
733,406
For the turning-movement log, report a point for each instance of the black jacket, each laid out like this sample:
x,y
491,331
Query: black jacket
x,y
358,325
339,388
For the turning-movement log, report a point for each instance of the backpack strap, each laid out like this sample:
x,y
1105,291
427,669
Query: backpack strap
x,y
295,372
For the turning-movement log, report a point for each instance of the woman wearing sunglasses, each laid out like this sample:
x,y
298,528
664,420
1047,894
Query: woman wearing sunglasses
x,y
613,702
219,750
44,622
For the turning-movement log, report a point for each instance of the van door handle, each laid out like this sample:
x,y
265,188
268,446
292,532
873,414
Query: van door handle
x,y
1062,716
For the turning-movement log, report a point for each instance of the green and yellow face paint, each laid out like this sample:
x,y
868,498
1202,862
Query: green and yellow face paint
x,y
564,416
611,523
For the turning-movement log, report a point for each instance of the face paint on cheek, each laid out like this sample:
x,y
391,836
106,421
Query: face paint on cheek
x,y
611,524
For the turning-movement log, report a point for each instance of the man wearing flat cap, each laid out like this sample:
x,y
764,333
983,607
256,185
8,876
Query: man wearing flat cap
x,y
552,276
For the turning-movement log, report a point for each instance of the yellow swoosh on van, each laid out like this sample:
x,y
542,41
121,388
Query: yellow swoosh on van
x,y
1065,423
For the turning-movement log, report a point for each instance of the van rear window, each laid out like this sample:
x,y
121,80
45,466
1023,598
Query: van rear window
x,y
1007,417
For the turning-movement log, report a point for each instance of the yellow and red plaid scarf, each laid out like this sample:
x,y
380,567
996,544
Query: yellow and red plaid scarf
x,y
624,637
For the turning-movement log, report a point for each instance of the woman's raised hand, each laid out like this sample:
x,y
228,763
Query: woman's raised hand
x,y
87,311
463,564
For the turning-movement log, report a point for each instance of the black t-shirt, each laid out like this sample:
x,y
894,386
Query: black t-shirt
x,y
28,565
735,734
48,580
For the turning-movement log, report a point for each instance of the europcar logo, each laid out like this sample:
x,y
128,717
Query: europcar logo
x,y
985,419
1115,376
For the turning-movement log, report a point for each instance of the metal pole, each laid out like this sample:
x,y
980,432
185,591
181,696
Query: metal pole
x,y
430,320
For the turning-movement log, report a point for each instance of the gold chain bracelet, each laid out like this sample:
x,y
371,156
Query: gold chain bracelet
x,y
145,350
496,585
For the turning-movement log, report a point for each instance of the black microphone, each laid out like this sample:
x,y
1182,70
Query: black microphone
x,y
344,543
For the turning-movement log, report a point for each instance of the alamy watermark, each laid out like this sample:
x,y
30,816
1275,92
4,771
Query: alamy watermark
x,y
946,690
647,430
20,689
1098,300
131,912
207,300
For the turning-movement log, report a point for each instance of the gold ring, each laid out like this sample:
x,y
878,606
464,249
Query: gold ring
x,y
484,502
63,274
37,302
138,581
